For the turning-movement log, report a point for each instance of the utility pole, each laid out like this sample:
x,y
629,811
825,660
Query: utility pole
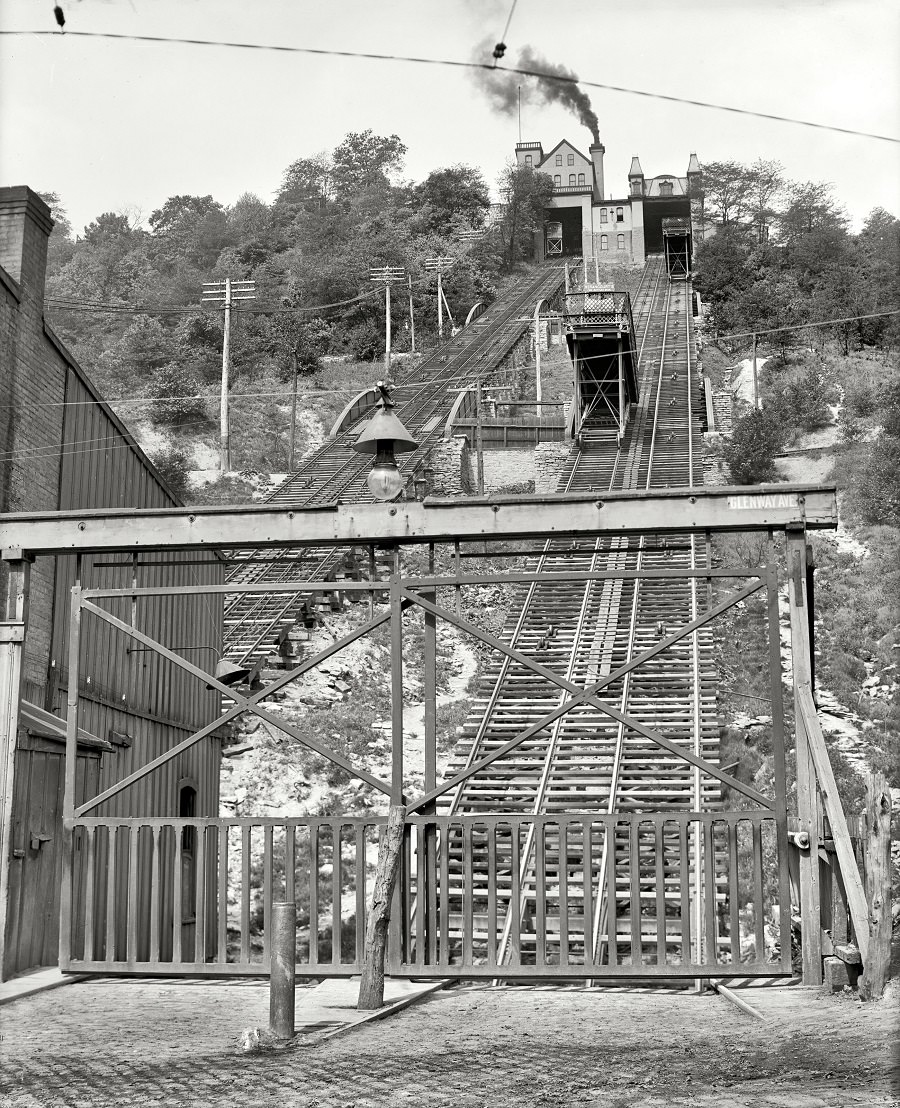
x,y
295,363
412,318
385,275
757,403
437,264
479,440
226,293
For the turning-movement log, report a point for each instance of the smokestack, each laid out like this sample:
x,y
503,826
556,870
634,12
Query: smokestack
x,y
547,84
597,150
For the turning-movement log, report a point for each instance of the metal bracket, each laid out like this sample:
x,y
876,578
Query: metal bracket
x,y
12,632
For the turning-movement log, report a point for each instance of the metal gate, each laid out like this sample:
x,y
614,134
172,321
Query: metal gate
x,y
610,887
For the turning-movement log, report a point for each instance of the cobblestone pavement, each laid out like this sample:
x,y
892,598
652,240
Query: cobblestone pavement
x,y
131,1044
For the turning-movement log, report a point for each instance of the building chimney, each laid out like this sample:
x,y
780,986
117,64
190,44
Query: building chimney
x,y
597,150
25,226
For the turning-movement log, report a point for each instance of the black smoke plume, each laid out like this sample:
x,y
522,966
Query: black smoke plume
x,y
546,83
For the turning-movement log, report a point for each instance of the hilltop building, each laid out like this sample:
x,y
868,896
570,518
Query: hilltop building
x,y
585,219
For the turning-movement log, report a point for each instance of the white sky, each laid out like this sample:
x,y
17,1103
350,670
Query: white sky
x,y
110,125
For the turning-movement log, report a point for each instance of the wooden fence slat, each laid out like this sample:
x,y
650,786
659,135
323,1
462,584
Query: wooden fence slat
x,y
563,892
200,897
246,850
491,847
759,918
90,840
313,891
112,852
421,894
336,894
444,894
540,894
360,880
734,897
515,898
711,955
684,874
660,843
856,897
612,899
268,861
468,912
177,897
587,880
154,895
222,895
131,907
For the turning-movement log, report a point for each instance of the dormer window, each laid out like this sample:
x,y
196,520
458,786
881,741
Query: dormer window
x,y
665,188
636,189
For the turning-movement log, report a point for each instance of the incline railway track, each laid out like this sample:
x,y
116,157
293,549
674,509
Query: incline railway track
x,y
585,630
335,471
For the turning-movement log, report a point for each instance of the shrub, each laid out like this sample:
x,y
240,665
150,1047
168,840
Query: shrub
x,y
750,454
175,397
172,464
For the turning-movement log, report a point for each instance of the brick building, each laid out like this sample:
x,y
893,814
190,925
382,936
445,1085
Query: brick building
x,y
584,219
62,448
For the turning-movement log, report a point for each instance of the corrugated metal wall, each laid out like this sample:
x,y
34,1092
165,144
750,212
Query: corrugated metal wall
x,y
136,698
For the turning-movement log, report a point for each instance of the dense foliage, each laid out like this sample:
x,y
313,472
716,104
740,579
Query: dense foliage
x,y
333,217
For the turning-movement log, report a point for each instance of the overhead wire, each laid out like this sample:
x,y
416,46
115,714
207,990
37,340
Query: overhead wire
x,y
456,64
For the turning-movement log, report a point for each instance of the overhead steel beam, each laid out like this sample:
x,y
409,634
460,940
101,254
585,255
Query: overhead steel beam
x,y
748,508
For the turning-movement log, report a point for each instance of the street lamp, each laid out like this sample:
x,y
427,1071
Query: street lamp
x,y
384,436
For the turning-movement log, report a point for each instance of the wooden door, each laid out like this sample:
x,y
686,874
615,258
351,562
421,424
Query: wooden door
x,y
35,863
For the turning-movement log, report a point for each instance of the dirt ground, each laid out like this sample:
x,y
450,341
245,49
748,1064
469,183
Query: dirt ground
x,y
104,1043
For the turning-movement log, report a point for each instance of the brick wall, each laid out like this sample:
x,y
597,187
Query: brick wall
x,y
32,381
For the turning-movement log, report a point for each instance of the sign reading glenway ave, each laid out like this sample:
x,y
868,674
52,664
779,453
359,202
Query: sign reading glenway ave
x,y
765,500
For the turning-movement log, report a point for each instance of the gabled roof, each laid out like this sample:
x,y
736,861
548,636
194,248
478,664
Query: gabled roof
x,y
564,142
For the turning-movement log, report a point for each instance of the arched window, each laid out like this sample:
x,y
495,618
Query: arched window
x,y
528,161
559,159
637,187
557,180
620,215
620,242
581,178
665,188
603,215
570,160
571,178
604,242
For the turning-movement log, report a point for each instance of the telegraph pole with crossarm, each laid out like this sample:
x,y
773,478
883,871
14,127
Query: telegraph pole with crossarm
x,y
226,293
386,275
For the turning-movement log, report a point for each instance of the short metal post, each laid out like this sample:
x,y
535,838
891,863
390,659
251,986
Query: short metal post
x,y
282,970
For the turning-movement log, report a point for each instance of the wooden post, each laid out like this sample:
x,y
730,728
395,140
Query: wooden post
x,y
479,440
876,967
371,987
224,438
293,413
807,811
282,969
412,318
12,645
757,402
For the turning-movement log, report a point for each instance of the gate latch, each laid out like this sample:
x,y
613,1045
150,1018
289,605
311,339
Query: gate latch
x,y
37,841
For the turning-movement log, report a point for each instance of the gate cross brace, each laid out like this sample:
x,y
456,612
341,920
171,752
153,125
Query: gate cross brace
x,y
587,696
242,704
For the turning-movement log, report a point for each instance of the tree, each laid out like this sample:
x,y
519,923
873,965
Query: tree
x,y
766,182
756,439
365,161
526,194
727,192
189,228
457,195
811,207
110,227
308,180
61,248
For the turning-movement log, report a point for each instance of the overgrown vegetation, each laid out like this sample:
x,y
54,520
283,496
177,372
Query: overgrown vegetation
x,y
309,253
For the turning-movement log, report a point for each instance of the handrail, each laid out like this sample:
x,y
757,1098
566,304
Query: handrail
x,y
856,897
360,404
